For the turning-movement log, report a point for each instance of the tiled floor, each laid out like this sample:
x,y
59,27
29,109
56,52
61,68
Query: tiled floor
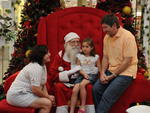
x,y
4,61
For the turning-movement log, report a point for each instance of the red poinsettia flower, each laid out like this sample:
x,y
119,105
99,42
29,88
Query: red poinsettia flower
x,y
27,24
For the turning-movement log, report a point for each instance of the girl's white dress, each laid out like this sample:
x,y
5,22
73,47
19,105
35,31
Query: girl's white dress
x,y
88,63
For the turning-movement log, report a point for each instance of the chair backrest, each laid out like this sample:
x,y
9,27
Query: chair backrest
x,y
84,21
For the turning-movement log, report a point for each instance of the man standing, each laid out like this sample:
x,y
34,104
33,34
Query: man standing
x,y
64,72
119,64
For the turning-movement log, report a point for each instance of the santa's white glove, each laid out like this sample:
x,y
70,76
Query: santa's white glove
x,y
63,76
74,70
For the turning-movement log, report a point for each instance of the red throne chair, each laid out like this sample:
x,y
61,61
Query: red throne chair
x,y
86,23
83,21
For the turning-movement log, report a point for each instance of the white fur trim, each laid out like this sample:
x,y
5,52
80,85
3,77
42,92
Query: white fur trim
x,y
71,36
139,109
62,109
90,108
74,70
63,76
60,68
65,57
69,85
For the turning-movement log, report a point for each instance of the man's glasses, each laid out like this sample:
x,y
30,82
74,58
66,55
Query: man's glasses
x,y
75,42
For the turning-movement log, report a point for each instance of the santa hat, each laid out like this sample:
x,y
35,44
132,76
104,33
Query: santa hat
x,y
71,36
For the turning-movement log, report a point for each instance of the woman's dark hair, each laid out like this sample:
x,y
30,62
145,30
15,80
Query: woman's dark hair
x,y
37,54
110,20
91,44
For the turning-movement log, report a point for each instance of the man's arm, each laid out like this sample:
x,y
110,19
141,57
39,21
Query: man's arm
x,y
104,64
98,64
126,62
103,77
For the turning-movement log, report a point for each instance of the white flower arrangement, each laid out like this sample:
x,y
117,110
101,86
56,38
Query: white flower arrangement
x,y
7,27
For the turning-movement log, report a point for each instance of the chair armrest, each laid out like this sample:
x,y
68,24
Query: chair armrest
x,y
9,81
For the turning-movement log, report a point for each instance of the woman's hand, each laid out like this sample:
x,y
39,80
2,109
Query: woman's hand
x,y
52,99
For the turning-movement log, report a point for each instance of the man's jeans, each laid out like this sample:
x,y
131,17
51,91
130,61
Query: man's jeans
x,y
105,95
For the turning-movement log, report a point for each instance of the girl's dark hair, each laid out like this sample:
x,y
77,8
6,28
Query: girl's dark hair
x,y
110,20
37,54
91,44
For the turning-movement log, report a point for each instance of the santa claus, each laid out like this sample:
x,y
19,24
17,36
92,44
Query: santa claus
x,y
64,72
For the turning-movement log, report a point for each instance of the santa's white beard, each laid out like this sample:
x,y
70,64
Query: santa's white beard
x,y
72,52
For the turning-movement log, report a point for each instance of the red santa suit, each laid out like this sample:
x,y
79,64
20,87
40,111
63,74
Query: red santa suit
x,y
63,75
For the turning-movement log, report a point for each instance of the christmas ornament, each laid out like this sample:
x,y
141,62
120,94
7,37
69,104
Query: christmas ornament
x,y
126,10
146,74
141,70
27,24
28,52
29,4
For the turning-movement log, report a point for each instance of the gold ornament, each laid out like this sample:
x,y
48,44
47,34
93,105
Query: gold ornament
x,y
146,74
126,10
29,4
28,52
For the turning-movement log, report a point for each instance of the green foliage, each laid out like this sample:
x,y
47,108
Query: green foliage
x,y
8,11
27,34
2,95
6,28
16,3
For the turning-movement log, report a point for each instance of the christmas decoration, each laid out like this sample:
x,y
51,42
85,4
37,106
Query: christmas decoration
x,y
145,32
27,24
1,92
33,10
126,10
28,52
147,74
7,31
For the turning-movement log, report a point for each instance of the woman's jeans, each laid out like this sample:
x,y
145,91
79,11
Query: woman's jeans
x,y
105,95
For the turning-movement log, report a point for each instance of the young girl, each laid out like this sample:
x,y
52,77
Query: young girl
x,y
90,65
